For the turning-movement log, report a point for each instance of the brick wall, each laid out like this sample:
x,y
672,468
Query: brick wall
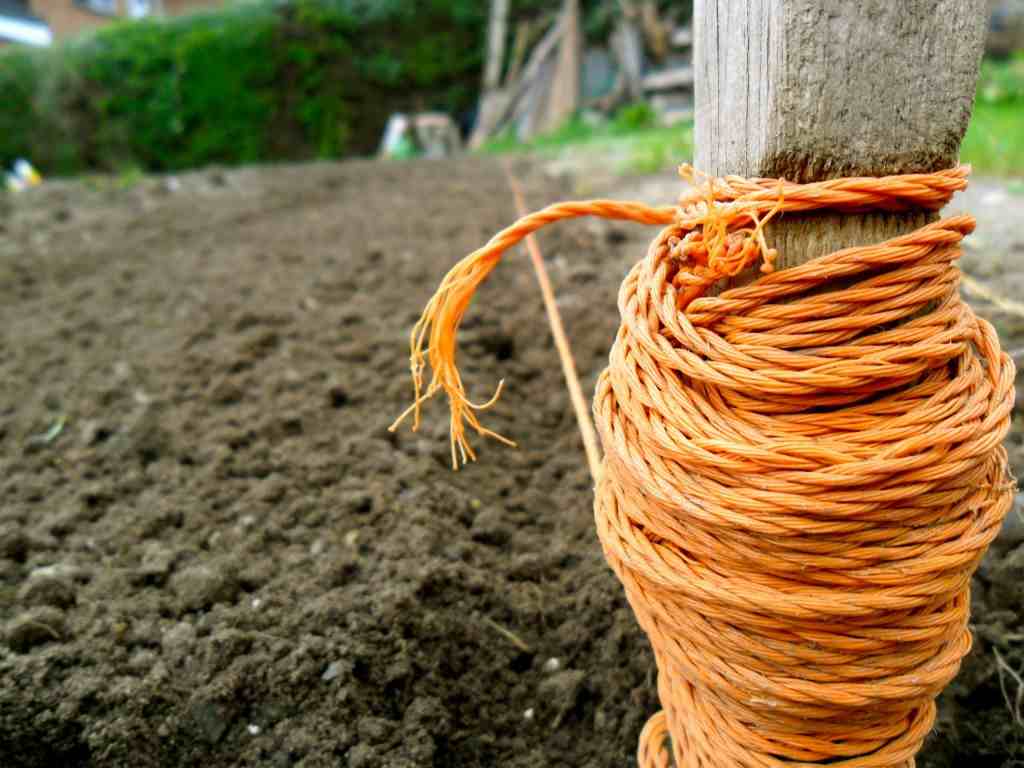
x,y
181,7
68,18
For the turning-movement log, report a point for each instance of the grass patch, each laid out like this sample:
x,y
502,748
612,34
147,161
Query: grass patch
x,y
994,143
632,142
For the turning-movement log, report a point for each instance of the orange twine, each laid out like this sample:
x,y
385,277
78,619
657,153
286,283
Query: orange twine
x,y
800,475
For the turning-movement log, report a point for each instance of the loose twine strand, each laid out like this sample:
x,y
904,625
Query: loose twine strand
x,y
800,475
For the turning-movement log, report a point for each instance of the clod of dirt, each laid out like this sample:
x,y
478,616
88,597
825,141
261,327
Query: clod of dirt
x,y
156,564
178,640
14,544
93,432
9,571
358,502
489,527
227,392
144,438
52,586
35,627
202,586
427,711
210,718
1007,577
337,397
1012,531
375,730
363,756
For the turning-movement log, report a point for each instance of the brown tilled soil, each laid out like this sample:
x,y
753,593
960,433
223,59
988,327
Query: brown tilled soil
x,y
213,552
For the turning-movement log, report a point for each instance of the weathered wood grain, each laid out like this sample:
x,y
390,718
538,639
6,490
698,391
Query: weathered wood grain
x,y
817,89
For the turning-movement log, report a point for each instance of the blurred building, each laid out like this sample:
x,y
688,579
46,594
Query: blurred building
x,y
40,22
1006,27
19,25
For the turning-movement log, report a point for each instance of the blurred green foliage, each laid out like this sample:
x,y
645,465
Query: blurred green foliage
x,y
634,117
631,141
994,143
254,82
1002,81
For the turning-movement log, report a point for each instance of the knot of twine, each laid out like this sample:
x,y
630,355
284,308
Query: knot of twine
x,y
800,476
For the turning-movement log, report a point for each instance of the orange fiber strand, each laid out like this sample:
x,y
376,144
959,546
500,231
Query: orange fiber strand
x,y
800,474
433,337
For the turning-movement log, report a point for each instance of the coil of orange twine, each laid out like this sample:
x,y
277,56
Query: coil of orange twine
x,y
801,474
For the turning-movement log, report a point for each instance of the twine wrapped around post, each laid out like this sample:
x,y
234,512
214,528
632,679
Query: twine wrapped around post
x,y
800,475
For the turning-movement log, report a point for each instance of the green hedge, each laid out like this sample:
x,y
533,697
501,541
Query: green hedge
x,y
255,82
1002,81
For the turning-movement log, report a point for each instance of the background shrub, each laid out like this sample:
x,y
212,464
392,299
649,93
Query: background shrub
x,y
254,82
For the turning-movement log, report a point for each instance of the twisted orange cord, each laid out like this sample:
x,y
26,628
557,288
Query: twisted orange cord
x,y
800,475
433,336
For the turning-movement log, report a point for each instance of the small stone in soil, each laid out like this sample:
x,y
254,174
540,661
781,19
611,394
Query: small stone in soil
x,y
332,671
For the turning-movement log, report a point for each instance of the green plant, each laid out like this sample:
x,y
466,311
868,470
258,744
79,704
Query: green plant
x,y
253,82
634,117
994,143
1002,82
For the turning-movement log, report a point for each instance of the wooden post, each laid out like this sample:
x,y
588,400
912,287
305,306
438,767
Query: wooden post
x,y
564,97
518,52
810,90
628,45
494,98
497,27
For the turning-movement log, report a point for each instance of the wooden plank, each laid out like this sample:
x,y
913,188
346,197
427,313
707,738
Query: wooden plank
x,y
536,69
564,95
497,29
628,47
682,37
668,80
518,52
817,89
494,99
656,31
531,106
